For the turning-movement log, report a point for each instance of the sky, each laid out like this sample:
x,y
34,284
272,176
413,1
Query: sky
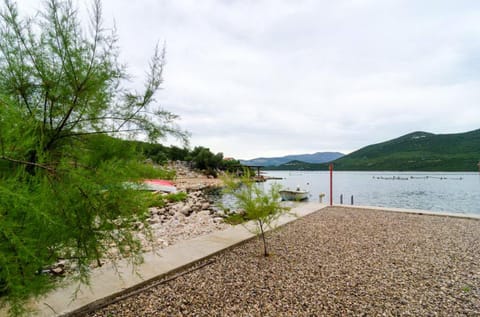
x,y
276,77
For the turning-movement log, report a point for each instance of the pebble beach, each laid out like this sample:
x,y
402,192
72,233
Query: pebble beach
x,y
335,262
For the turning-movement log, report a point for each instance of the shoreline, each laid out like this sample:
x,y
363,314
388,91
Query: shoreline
x,y
460,215
61,300
338,260
443,192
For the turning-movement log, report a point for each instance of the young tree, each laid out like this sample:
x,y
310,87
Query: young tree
x,y
62,101
255,204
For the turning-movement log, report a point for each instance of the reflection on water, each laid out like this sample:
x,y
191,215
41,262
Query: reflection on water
x,y
228,201
438,191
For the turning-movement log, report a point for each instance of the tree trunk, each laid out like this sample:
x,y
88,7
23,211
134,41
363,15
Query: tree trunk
x,y
32,158
265,252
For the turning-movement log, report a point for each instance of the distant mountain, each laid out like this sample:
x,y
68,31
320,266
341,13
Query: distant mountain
x,y
417,151
319,157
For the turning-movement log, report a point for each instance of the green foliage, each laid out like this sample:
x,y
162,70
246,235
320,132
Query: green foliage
x,y
62,172
73,214
176,197
418,151
204,159
160,154
200,157
254,204
466,289
158,200
156,152
230,165
178,154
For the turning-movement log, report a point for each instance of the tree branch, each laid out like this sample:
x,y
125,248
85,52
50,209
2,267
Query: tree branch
x,y
27,163
153,83
98,132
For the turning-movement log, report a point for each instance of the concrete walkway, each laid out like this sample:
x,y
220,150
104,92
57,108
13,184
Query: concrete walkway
x,y
417,211
109,281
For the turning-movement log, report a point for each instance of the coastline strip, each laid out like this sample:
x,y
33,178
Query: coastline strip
x,y
111,281
107,284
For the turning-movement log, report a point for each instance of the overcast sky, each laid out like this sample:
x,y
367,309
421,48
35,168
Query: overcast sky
x,y
268,78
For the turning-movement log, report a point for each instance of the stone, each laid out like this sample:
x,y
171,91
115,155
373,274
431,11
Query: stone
x,y
204,213
57,270
179,216
186,210
218,219
219,212
154,219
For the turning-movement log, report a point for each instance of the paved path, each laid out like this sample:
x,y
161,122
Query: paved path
x,y
107,283
418,211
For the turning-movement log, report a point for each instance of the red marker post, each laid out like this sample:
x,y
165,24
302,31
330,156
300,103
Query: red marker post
x,y
331,184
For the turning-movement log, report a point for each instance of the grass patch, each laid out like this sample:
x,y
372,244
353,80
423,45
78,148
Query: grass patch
x,y
159,200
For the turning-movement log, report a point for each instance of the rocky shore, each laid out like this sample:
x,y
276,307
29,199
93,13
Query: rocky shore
x,y
176,221
195,216
189,180
336,262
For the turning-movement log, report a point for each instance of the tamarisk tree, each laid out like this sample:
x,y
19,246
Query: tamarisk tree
x,y
62,172
254,204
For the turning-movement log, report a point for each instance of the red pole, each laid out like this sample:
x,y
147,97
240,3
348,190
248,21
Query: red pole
x,y
331,184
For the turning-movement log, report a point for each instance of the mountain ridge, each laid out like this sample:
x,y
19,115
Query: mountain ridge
x,y
415,151
318,157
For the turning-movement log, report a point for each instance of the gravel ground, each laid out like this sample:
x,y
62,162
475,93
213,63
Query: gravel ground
x,y
336,262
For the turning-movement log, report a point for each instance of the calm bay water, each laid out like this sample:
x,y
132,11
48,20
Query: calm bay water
x,y
437,191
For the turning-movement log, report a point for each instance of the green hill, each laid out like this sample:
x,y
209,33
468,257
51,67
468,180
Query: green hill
x,y
417,151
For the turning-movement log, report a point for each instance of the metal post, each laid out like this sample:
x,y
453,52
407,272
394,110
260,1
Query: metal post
x,y
351,200
341,199
331,184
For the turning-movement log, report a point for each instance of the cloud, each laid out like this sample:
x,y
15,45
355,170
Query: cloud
x,y
273,77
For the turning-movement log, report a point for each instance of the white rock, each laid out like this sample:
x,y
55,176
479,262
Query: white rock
x,y
154,219
219,213
179,216
218,219
58,270
186,210
205,213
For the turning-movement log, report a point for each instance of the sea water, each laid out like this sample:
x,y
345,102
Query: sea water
x,y
451,192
